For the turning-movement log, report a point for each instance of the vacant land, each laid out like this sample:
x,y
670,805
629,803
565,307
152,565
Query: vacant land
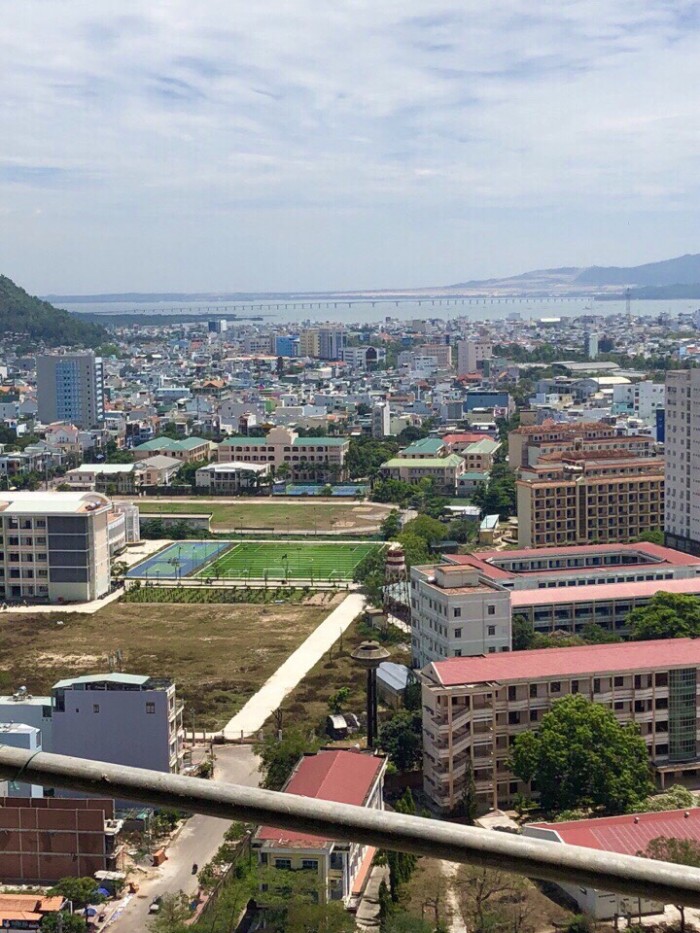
x,y
288,560
219,656
279,516
307,705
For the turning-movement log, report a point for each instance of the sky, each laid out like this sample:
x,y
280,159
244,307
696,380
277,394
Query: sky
x,y
281,145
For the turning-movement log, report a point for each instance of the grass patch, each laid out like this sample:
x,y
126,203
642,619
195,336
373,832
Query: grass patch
x,y
287,561
219,656
277,516
306,706
220,594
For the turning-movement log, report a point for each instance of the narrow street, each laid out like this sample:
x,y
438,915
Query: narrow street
x,y
197,842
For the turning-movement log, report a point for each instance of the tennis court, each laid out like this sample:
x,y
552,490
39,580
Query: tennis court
x,y
287,561
178,560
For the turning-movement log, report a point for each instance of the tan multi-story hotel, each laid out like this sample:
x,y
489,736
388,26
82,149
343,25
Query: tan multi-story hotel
x,y
307,457
473,708
591,497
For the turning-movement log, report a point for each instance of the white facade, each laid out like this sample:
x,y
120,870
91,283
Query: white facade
x,y
55,546
381,420
70,387
132,521
682,454
641,399
22,707
19,735
456,613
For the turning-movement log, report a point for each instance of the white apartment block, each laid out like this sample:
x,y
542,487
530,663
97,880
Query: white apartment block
x,y
381,420
70,387
682,454
54,546
640,398
456,612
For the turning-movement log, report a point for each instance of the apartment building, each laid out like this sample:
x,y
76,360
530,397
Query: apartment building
x,y
455,612
70,387
478,457
473,708
187,450
126,719
472,355
535,435
342,868
307,457
640,398
589,498
634,445
331,342
441,353
381,420
49,838
464,605
425,448
445,471
309,343
54,546
364,357
682,446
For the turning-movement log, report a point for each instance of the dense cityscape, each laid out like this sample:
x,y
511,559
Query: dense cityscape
x,y
213,528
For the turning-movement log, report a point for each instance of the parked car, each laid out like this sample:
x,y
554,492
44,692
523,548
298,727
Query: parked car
x,y
155,905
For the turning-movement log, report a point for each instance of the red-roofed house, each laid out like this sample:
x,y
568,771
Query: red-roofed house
x,y
474,707
342,867
628,835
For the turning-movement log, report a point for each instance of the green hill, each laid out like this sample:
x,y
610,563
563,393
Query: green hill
x,y
27,316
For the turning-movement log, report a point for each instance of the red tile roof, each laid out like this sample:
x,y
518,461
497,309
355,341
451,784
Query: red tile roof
x,y
339,776
628,834
469,438
569,662
634,589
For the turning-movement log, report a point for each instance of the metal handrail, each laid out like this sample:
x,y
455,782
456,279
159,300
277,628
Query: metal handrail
x,y
626,874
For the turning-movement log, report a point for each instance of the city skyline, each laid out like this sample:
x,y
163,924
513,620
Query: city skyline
x,y
269,148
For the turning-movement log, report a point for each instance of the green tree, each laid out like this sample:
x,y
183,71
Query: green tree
x,y
655,536
280,755
431,530
666,615
678,851
63,923
676,797
415,548
493,901
466,805
402,739
403,922
581,756
293,903
81,891
174,911
523,633
391,525
385,904
337,700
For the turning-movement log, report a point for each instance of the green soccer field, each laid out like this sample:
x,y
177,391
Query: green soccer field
x,y
287,561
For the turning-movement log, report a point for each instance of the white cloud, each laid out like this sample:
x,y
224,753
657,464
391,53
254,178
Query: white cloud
x,y
132,118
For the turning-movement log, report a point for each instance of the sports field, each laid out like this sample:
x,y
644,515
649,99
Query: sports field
x,y
287,561
178,560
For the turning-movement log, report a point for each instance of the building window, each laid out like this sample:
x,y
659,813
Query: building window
x,y
512,693
150,707
309,864
533,690
596,685
492,630
458,633
95,707
619,681
284,863
555,687
458,653
491,610
574,686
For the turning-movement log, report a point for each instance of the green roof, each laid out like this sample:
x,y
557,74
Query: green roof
x,y
426,445
319,441
484,446
432,462
168,443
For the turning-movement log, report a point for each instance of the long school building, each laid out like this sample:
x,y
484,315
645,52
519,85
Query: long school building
x,y
473,708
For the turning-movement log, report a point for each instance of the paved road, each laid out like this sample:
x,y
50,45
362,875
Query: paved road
x,y
270,696
198,841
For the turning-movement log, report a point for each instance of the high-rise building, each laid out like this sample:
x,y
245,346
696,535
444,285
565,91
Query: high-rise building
x,y
682,448
472,355
70,387
381,420
55,546
309,343
591,346
331,342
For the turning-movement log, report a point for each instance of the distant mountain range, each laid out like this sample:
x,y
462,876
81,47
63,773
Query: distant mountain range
x,y
670,278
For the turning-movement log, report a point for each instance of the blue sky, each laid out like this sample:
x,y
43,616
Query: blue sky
x,y
290,144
